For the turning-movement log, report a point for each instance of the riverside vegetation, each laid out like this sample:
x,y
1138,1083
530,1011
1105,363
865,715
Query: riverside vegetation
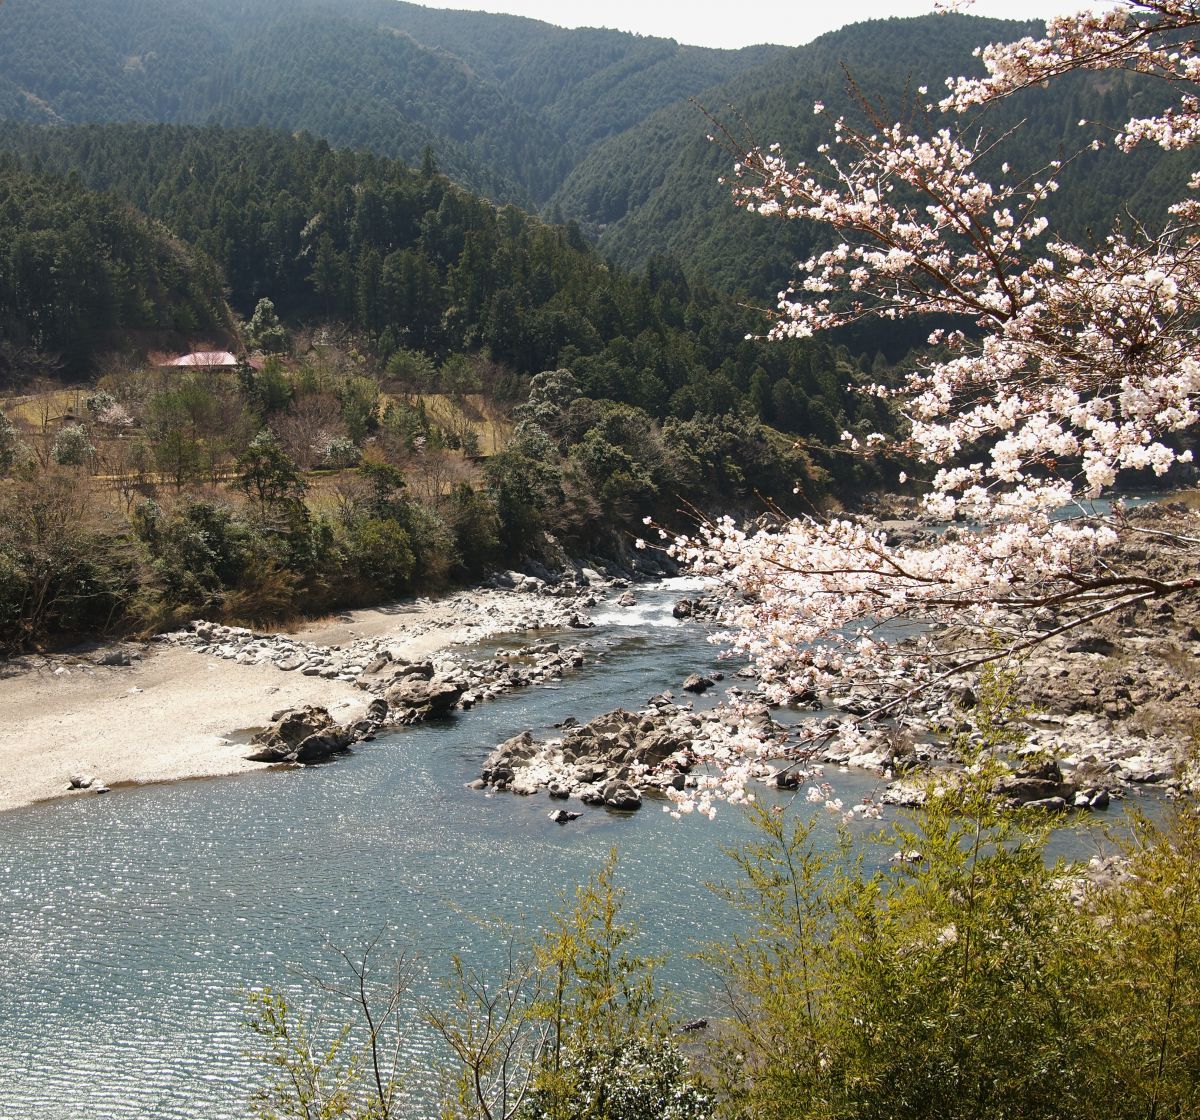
x,y
348,464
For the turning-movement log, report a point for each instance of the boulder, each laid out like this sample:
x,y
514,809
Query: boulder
x,y
621,795
322,746
698,684
657,746
270,754
377,664
422,670
307,735
562,816
1035,785
1092,643
433,697
290,728
499,766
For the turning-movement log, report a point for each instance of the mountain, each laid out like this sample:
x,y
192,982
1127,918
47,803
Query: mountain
x,y
654,189
507,105
588,125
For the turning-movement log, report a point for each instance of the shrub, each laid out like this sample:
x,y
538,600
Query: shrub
x,y
341,452
382,554
73,446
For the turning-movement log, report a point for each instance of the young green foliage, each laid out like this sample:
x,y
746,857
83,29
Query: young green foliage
x,y
311,1080
1148,1038
943,984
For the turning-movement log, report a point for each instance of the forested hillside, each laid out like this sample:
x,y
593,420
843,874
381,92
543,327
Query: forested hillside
x,y
654,189
346,462
421,266
587,124
507,105
82,273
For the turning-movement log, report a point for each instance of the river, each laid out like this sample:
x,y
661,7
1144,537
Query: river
x,y
131,924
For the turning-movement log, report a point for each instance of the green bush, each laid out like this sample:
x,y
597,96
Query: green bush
x,y
381,553
57,574
964,981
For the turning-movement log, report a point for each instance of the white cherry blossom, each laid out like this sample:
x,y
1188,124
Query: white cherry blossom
x,y
1069,364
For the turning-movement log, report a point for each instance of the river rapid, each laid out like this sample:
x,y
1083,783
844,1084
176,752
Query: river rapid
x,y
131,924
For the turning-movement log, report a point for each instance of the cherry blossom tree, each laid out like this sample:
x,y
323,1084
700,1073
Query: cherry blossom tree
x,y
1063,365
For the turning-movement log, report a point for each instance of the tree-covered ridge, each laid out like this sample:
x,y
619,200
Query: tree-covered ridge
x,y
591,82
81,270
655,188
508,105
418,264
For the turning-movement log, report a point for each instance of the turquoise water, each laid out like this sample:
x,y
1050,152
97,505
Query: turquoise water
x,y
130,924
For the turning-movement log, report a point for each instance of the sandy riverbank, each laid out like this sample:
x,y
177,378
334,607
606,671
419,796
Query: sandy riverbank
x,y
176,713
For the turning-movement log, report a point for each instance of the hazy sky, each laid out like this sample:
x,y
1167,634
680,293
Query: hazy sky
x,y
729,24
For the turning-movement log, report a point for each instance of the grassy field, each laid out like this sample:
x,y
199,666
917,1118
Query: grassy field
x,y
49,407
471,412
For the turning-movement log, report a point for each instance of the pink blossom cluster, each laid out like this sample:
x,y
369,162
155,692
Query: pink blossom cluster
x,y
1073,363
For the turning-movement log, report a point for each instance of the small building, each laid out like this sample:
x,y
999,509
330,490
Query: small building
x,y
207,359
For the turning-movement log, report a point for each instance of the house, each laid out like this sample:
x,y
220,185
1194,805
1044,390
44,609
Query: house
x,y
207,359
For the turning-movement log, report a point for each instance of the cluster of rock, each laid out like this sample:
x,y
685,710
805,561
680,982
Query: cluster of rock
x,y
1035,778
407,692
615,759
88,782
413,689
474,619
309,735
417,690
1041,785
704,608
582,578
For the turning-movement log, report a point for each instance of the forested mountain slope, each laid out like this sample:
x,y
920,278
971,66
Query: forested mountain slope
x,y
420,267
81,272
654,189
507,105
586,124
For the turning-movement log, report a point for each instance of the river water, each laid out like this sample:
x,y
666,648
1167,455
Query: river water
x,y
130,925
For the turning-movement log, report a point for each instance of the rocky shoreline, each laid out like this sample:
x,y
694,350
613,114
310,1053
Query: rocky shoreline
x,y
202,692
1111,708
184,705
618,757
